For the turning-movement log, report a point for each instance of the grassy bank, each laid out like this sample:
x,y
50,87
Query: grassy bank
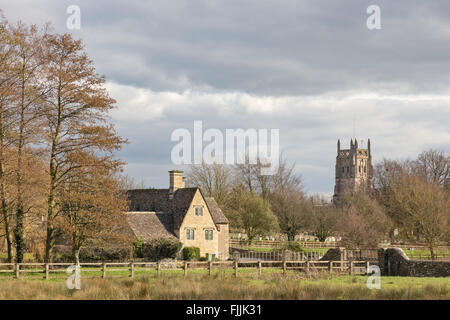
x,y
223,285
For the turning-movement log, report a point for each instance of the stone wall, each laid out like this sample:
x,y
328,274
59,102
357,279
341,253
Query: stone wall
x,y
334,254
394,262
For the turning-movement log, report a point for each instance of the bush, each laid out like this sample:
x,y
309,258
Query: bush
x,y
93,254
157,249
294,246
191,253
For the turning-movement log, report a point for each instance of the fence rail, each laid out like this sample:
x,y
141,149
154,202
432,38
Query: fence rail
x,y
279,256
279,244
19,270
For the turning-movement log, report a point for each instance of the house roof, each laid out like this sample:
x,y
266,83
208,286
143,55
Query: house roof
x,y
157,200
152,214
216,212
151,225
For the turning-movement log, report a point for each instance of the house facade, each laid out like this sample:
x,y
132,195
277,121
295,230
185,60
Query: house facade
x,y
180,213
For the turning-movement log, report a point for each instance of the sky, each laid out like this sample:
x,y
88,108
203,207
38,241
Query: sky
x,y
311,69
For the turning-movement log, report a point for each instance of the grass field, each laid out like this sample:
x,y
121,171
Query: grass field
x,y
222,285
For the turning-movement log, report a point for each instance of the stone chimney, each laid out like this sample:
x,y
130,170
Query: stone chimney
x,y
176,182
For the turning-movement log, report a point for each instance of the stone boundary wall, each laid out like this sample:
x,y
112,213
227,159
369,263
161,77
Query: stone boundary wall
x,y
394,262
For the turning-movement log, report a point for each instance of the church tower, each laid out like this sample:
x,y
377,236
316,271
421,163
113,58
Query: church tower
x,y
354,169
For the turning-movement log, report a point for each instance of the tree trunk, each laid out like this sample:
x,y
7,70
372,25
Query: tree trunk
x,y
4,207
19,230
53,176
433,257
291,236
6,222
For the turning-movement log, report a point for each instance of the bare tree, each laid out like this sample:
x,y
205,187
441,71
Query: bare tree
x,y
323,219
434,166
75,112
423,209
6,94
362,221
93,206
215,180
292,210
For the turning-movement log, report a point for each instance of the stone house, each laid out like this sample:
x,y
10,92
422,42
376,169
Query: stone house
x,y
180,213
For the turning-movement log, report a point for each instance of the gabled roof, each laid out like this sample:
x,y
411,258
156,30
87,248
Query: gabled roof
x,y
157,200
167,214
150,225
216,213
182,200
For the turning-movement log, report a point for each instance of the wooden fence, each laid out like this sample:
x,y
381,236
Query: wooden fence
x,y
19,270
279,256
278,244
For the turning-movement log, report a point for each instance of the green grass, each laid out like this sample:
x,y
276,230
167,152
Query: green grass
x,y
27,257
425,253
223,285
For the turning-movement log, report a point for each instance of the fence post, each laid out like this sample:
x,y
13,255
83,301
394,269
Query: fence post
x,y
259,268
367,267
210,267
158,268
46,271
284,267
132,269
350,268
330,266
307,267
17,270
104,270
185,268
235,268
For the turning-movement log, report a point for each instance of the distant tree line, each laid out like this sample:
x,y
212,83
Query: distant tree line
x,y
410,202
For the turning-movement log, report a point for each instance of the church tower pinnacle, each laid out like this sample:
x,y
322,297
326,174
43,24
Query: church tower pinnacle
x,y
354,170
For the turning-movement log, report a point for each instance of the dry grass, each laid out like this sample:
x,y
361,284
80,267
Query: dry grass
x,y
221,286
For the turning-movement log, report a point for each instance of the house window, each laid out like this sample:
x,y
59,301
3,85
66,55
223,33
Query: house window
x,y
199,211
208,234
189,234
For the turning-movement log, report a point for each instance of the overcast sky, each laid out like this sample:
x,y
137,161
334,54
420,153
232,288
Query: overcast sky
x,y
309,68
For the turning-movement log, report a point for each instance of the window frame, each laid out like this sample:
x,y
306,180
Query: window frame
x,y
209,234
200,209
190,234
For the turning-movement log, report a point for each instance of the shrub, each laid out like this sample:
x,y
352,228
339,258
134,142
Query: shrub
x,y
294,246
191,253
93,254
138,248
158,249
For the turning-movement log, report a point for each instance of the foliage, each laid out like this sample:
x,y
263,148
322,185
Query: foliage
x,y
157,249
191,253
323,222
252,213
94,254
294,246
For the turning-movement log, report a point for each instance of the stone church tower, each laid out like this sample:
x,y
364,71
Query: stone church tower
x,y
354,169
